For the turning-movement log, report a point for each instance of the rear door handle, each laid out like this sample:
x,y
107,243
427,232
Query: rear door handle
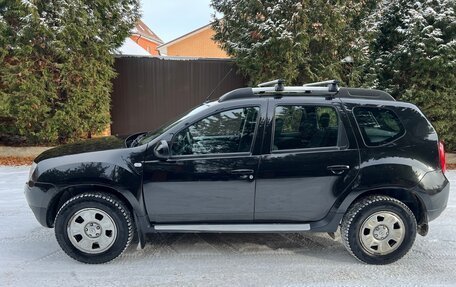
x,y
338,169
244,173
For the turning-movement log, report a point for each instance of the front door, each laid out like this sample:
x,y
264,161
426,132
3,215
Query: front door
x,y
210,175
310,159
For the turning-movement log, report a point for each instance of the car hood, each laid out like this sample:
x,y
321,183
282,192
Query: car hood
x,y
91,145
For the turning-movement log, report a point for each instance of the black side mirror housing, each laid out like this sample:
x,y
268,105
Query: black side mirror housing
x,y
161,150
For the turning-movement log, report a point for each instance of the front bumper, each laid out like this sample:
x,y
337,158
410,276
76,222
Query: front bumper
x,y
39,197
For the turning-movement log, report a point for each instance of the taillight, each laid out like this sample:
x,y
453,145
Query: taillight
x,y
442,156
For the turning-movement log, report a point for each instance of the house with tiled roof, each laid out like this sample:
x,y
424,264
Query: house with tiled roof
x,y
146,38
197,43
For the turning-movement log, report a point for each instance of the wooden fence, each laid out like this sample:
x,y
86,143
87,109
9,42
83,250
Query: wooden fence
x,y
150,91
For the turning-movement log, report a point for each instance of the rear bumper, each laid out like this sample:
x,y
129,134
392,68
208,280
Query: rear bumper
x,y
438,204
39,197
434,190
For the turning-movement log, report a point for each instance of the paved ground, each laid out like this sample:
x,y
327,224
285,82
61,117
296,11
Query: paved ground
x,y
32,151
30,256
451,158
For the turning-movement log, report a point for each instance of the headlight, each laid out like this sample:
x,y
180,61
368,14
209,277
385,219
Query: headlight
x,y
32,169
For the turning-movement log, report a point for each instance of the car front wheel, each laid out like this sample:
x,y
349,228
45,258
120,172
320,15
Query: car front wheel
x,y
378,229
93,227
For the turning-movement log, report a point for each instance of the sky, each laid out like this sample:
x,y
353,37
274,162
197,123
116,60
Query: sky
x,y
170,19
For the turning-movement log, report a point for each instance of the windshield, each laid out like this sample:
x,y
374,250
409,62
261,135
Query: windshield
x,y
147,137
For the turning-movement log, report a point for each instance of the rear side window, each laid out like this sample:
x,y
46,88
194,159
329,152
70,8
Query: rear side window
x,y
378,126
299,127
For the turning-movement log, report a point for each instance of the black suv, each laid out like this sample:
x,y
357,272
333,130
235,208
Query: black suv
x,y
264,159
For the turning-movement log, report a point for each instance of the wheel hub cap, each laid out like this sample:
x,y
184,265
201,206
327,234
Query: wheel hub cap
x,y
382,233
92,230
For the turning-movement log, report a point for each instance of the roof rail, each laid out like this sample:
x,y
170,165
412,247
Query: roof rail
x,y
295,89
322,83
333,85
360,93
277,84
276,88
244,93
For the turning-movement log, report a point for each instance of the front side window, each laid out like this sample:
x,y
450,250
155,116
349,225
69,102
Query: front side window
x,y
378,126
152,135
297,127
225,132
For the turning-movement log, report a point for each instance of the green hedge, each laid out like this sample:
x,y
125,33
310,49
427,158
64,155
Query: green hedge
x,y
57,67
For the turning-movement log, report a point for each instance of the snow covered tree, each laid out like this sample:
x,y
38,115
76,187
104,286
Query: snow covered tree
x,y
413,56
267,38
299,40
55,77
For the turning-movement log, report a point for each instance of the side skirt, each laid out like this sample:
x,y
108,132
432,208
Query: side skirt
x,y
236,228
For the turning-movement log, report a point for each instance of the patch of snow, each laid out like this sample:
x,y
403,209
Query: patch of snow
x,y
131,48
30,255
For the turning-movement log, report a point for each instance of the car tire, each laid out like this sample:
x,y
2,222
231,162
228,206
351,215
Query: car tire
x,y
94,228
378,230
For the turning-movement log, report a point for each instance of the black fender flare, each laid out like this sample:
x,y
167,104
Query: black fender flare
x,y
62,194
331,222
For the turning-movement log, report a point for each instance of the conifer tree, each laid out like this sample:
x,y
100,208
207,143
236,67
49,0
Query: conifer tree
x,y
299,40
55,77
413,56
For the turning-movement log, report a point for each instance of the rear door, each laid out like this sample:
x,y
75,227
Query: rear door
x,y
310,157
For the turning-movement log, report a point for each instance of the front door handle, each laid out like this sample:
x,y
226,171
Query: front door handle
x,y
338,169
244,173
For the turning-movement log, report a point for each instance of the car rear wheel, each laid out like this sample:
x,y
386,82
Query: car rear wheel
x,y
378,230
94,227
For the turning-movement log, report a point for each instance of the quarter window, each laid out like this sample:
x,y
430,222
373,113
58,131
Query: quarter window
x,y
225,132
297,127
378,126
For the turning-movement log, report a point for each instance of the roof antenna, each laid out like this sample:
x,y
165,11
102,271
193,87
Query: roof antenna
x,y
221,81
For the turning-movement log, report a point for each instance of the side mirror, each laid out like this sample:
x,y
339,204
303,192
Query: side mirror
x,y
161,150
